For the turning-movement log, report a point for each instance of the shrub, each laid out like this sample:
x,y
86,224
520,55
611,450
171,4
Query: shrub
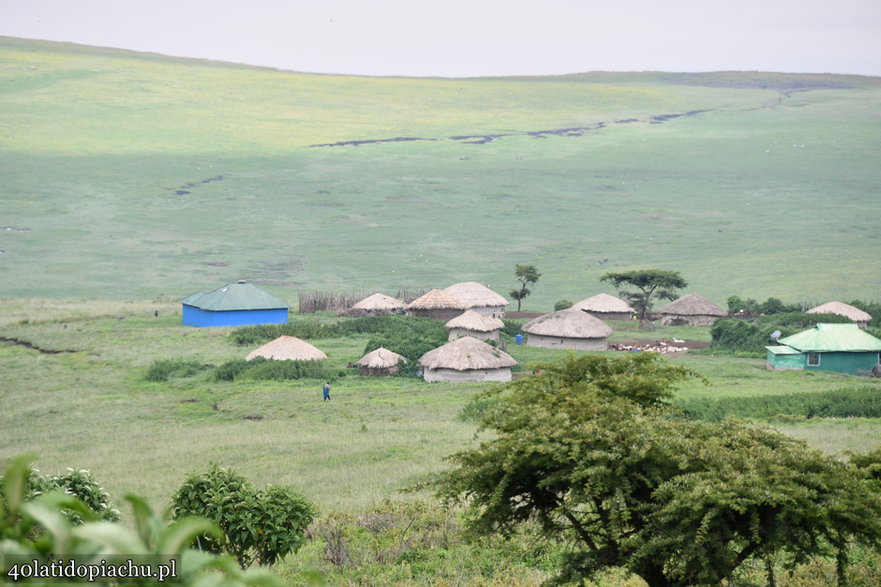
x,y
79,484
751,336
261,369
256,525
859,402
164,369
409,336
563,305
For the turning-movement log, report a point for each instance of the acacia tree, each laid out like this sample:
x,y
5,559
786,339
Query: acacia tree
x,y
590,450
650,283
528,276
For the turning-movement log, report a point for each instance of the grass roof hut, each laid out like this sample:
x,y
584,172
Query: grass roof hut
x,y
466,359
287,348
234,304
378,305
380,363
691,309
861,318
568,329
479,298
436,304
605,307
475,324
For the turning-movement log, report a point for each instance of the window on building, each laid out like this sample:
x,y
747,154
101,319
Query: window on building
x,y
813,359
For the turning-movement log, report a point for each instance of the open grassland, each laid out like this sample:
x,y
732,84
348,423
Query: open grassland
x,y
139,177
91,407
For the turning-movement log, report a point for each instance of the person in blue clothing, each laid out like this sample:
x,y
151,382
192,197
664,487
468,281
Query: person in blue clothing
x,y
326,391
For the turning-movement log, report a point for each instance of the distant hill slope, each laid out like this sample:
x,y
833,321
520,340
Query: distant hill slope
x,y
136,176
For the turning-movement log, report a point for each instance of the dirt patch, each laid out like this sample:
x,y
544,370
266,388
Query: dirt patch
x,y
187,187
32,346
518,315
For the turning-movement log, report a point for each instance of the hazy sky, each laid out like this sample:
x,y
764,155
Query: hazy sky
x,y
454,38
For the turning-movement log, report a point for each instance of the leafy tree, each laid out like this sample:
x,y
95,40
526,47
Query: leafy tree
x,y
590,450
255,525
650,283
528,276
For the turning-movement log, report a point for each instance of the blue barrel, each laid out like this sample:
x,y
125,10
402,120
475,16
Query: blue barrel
x,y
518,339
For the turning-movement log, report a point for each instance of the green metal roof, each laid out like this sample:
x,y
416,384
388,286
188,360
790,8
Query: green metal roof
x,y
833,338
782,350
234,296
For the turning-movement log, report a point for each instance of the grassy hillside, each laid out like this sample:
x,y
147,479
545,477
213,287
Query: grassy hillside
x,y
137,177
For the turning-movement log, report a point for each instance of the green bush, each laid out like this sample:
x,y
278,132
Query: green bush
x,y
256,525
858,402
79,484
409,336
164,369
261,369
39,528
563,305
751,336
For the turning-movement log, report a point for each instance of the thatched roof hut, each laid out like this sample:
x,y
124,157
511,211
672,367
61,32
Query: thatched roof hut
x,y
855,314
466,359
691,309
380,362
377,305
568,329
605,307
287,348
479,298
436,304
472,323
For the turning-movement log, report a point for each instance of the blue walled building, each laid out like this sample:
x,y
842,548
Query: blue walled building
x,y
234,304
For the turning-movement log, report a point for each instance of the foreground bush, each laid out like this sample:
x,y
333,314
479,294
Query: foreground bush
x,y
255,525
591,450
39,529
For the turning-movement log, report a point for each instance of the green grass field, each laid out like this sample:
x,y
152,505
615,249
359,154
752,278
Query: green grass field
x,y
133,180
137,177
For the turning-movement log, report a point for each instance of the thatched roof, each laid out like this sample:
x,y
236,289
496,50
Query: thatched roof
x,y
436,299
471,320
568,323
380,302
841,309
287,348
465,354
381,358
603,303
693,305
475,295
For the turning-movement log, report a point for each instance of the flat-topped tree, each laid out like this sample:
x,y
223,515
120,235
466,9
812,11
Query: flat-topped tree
x,y
650,283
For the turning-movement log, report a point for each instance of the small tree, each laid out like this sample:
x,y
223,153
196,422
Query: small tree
x,y
650,283
255,526
527,275
589,449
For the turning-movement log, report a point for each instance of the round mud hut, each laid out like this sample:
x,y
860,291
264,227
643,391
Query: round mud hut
x,y
479,298
605,307
287,348
377,305
380,363
436,304
861,318
474,324
466,359
692,310
568,329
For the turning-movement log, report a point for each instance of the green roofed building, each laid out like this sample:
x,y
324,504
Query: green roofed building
x,y
234,304
827,347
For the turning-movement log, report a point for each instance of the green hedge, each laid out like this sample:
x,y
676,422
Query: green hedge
x,y
260,368
857,402
751,336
